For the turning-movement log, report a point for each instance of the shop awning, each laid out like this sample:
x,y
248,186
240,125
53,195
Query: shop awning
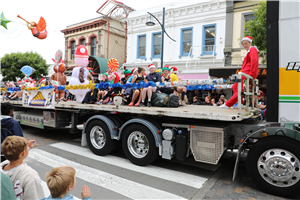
x,y
228,71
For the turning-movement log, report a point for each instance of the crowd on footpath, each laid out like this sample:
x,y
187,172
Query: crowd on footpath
x,y
18,180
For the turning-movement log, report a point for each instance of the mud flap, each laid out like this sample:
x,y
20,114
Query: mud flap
x,y
236,166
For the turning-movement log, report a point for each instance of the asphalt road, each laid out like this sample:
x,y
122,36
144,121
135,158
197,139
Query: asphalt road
x,y
114,177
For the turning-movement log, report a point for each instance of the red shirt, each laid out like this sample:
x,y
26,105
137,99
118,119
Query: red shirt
x,y
250,64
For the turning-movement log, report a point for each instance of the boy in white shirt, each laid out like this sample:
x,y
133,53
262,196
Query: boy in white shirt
x,y
26,181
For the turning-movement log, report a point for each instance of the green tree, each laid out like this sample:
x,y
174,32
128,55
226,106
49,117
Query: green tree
x,y
11,65
256,28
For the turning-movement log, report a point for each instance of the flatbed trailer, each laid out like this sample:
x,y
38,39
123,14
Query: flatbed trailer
x,y
272,149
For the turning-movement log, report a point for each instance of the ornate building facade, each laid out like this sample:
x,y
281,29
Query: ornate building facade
x,y
94,35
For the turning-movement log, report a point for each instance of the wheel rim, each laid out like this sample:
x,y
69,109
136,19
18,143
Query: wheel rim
x,y
138,144
98,138
279,167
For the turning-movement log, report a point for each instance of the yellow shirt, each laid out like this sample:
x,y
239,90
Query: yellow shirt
x,y
173,77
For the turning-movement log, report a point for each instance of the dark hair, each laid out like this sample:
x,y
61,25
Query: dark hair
x,y
5,108
140,69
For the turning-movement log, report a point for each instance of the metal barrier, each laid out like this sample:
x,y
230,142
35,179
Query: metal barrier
x,y
254,94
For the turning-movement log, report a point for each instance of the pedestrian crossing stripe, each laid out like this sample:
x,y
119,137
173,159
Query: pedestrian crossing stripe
x,y
111,182
158,172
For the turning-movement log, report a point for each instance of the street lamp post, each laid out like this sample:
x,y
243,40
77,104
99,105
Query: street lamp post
x,y
150,23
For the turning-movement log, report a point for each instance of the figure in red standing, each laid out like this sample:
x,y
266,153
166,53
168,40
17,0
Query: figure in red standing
x,y
250,67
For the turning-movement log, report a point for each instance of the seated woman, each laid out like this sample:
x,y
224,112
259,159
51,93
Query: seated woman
x,y
152,76
220,102
207,101
137,93
102,91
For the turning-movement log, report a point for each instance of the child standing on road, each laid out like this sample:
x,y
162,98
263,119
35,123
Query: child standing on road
x,y
26,181
60,181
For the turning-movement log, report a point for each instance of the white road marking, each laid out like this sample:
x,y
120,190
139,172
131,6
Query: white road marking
x,y
158,172
111,182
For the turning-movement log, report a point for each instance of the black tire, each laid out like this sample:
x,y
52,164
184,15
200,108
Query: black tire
x,y
151,150
105,147
283,146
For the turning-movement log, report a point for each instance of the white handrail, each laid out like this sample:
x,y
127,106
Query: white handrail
x,y
247,93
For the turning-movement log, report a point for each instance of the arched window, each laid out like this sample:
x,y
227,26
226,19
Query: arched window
x,y
93,46
72,50
82,42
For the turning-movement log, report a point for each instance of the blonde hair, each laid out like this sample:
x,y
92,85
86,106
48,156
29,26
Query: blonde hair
x,y
13,146
89,77
59,179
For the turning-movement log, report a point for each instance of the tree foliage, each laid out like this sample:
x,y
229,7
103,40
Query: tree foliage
x,y
256,28
11,65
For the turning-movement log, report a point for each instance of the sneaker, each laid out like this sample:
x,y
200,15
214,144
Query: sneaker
x,y
131,104
183,103
141,104
149,103
109,103
224,106
99,102
20,99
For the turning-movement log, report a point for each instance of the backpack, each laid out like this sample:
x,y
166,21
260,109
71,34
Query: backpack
x,y
173,101
159,99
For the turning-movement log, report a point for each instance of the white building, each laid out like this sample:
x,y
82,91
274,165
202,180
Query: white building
x,y
199,31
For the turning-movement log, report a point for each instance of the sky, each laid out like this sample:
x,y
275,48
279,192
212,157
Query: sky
x,y
58,14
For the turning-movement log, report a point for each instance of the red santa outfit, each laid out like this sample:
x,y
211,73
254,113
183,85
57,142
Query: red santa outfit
x,y
250,67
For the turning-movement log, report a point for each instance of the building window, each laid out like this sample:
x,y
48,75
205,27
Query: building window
x,y
245,18
186,41
248,18
72,50
209,40
93,46
141,47
156,45
82,42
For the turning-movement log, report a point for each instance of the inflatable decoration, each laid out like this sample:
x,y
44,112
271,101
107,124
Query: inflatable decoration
x,y
37,29
80,72
58,78
3,21
113,64
27,70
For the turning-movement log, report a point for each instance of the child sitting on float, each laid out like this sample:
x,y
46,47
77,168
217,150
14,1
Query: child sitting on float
x,y
137,92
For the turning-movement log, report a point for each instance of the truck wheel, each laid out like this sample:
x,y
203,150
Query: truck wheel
x,y
273,164
99,139
139,145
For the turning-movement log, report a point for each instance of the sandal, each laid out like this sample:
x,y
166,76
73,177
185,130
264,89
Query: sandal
x,y
131,104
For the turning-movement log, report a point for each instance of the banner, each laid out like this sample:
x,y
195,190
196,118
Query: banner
x,y
39,98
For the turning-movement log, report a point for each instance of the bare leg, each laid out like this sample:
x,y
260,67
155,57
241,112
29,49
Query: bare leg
x,y
135,95
144,92
150,90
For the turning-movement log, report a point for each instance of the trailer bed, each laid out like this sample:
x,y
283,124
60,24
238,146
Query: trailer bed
x,y
189,111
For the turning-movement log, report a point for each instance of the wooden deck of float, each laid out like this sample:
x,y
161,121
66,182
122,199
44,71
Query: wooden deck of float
x,y
189,111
